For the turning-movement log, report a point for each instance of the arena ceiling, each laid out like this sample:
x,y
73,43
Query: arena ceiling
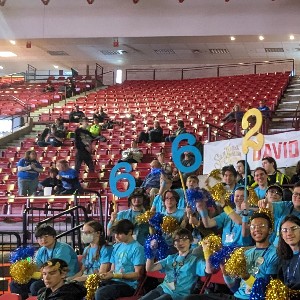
x,y
121,34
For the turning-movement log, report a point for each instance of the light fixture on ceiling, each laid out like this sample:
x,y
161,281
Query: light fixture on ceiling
x,y
45,2
261,38
135,1
12,42
232,38
196,51
7,54
292,37
55,66
90,1
180,1
1,67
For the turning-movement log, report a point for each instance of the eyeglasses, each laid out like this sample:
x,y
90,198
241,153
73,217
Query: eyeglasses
x,y
291,229
275,192
296,194
184,238
259,226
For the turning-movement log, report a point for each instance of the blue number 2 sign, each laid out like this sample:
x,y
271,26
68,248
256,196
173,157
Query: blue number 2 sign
x,y
176,156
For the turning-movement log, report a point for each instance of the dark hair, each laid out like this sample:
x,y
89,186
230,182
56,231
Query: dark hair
x,y
298,168
181,232
284,251
122,226
53,170
241,188
271,160
180,123
246,165
263,216
193,177
27,154
174,193
297,184
139,192
260,169
45,230
229,168
62,265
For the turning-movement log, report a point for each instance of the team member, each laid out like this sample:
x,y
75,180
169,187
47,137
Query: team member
x,y
127,264
241,167
261,182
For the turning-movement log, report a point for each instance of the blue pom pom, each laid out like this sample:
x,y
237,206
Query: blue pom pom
x,y
221,256
162,247
156,221
258,291
21,253
193,195
208,198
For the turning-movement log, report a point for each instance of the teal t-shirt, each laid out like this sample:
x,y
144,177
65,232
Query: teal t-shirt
x,y
261,194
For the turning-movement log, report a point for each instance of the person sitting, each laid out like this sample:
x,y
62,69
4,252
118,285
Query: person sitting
x,y
101,115
236,115
182,270
54,272
137,202
50,182
133,154
96,255
76,115
95,130
49,248
69,179
261,182
49,87
154,134
264,109
54,138
127,264
296,177
229,177
180,130
241,168
187,160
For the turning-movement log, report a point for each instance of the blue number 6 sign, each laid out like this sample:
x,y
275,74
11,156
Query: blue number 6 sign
x,y
177,152
114,177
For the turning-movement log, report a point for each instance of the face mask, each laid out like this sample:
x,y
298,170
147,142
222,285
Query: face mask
x,y
87,238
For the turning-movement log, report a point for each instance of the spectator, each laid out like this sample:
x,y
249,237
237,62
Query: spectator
x,y
70,88
50,248
49,87
240,167
54,272
182,270
96,255
229,177
101,115
236,115
275,176
69,179
83,144
230,221
180,130
154,134
187,160
137,202
54,138
50,181
59,122
127,264
283,208
28,172
288,252
296,177
133,154
261,182
265,110
76,115
95,130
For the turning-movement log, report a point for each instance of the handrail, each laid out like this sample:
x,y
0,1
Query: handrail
x,y
10,233
220,129
296,119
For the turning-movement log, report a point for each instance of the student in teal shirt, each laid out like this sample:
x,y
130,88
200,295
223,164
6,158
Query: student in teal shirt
x,y
182,270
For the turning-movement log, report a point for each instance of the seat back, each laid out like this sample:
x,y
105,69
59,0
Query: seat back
x,y
10,296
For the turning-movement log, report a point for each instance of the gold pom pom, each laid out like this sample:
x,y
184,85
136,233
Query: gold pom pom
x,y
145,217
91,284
216,174
219,192
276,290
253,198
214,243
22,271
169,224
236,265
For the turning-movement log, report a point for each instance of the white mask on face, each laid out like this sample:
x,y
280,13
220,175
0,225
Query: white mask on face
x,y
87,238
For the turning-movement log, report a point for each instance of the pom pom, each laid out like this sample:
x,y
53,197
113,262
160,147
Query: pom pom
x,y
156,221
144,218
276,290
258,291
214,243
193,195
21,253
216,174
219,192
22,271
91,284
236,265
169,224
252,198
221,256
159,251
208,198
36,275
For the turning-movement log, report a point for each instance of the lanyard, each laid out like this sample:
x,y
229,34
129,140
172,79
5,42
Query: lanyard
x,y
254,269
89,261
180,265
290,278
51,255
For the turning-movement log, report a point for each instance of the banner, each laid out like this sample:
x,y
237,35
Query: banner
x,y
283,147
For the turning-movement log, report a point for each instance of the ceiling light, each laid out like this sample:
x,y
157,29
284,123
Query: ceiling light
x,y
55,67
232,38
261,38
1,68
7,54
12,42
292,37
